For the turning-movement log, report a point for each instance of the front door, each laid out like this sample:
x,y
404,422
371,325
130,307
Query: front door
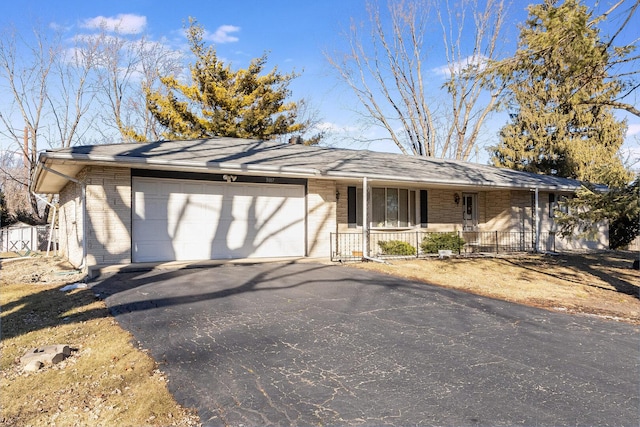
x,y
469,211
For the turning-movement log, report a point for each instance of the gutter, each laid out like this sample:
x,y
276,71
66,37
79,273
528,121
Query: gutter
x,y
83,203
450,183
227,167
222,167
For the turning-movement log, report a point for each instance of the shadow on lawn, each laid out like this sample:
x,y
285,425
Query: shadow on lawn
x,y
48,308
613,268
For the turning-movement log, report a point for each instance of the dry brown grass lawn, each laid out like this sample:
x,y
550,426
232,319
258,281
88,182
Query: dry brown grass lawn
x,y
600,284
106,381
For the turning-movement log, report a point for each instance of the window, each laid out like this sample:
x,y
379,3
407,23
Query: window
x,y
389,207
557,203
424,218
352,207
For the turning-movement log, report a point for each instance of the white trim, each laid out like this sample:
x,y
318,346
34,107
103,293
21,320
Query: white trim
x,y
365,217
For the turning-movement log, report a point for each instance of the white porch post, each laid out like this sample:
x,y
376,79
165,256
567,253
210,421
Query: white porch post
x,y
537,221
365,217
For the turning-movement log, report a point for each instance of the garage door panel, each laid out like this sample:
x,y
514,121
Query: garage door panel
x,y
153,251
149,188
150,229
271,208
185,220
168,187
150,206
193,250
154,209
235,234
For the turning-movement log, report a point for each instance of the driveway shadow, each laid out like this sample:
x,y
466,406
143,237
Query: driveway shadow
x,y
310,344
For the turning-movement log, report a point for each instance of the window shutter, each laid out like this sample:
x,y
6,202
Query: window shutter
x,y
352,207
424,217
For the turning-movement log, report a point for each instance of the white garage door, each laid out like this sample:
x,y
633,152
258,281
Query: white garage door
x,y
194,220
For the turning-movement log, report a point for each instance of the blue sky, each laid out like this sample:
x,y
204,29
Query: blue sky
x,y
295,33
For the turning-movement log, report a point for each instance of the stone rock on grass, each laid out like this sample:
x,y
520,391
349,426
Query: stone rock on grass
x,y
33,366
49,355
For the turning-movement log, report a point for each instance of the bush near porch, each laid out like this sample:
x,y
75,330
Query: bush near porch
x,y
435,242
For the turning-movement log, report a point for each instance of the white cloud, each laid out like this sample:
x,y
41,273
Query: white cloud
x,y
59,27
223,34
334,128
633,129
456,67
124,23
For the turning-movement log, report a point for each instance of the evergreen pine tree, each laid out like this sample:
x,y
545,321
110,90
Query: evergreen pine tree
x,y
219,101
558,81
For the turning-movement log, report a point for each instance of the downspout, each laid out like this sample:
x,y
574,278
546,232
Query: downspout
x,y
53,220
83,204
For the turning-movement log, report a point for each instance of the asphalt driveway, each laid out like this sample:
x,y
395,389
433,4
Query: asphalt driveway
x,y
311,344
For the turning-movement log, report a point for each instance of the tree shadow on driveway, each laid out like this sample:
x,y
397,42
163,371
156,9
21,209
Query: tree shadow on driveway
x,y
189,284
301,344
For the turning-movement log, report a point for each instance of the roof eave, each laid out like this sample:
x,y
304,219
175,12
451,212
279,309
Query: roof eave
x,y
51,158
453,183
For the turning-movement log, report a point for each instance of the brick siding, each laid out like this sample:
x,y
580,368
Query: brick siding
x,y
70,223
321,216
108,199
108,215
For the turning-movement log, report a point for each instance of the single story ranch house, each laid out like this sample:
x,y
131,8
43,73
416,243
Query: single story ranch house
x,y
226,198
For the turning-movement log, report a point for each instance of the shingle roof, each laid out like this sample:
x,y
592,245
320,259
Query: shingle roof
x,y
243,156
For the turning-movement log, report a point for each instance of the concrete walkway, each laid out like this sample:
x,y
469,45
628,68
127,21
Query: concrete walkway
x,y
312,344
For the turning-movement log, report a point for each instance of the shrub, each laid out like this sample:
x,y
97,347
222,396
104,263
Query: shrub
x,y
442,241
396,247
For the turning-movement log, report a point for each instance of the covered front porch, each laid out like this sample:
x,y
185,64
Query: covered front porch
x,y
354,246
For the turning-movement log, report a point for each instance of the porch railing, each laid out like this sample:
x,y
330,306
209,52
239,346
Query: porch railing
x,y
348,246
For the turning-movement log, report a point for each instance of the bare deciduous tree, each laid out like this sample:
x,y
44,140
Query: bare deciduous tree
x,y
51,89
127,67
624,63
53,86
465,62
71,93
13,175
387,71
25,70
